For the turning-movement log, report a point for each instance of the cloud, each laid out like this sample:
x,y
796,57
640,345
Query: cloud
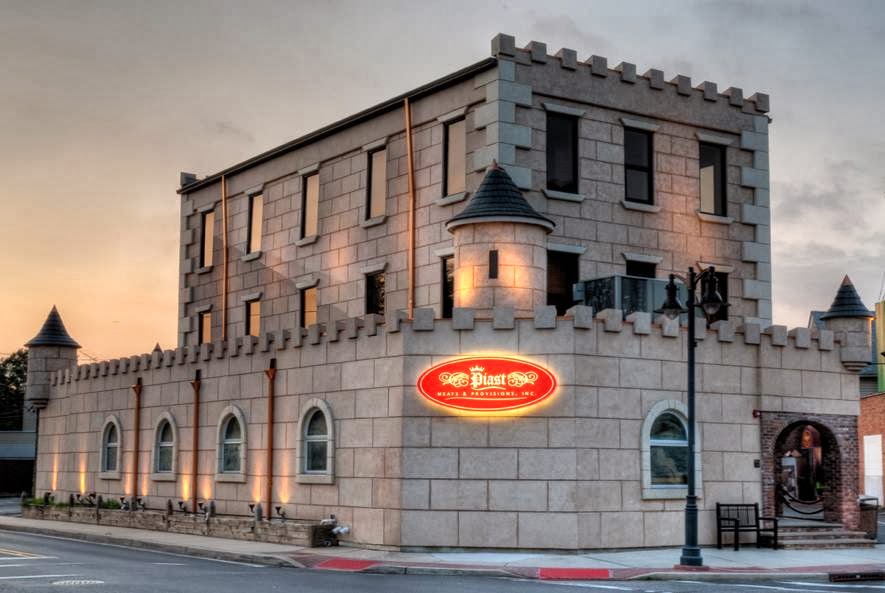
x,y
229,129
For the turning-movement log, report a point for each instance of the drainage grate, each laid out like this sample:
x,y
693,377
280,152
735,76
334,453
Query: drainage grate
x,y
77,583
842,577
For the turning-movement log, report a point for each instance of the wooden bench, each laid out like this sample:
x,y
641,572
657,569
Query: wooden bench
x,y
738,518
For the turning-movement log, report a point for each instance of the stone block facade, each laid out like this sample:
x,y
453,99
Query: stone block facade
x,y
570,473
326,417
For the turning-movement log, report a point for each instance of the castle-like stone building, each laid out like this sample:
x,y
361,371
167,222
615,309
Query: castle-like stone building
x,y
518,218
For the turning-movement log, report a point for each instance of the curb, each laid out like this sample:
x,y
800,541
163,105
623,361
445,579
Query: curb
x,y
268,560
387,568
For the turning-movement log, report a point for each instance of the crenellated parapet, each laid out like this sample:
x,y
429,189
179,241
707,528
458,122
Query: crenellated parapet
x,y
504,46
580,320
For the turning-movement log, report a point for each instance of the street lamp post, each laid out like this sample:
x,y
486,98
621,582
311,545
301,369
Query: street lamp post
x,y
711,302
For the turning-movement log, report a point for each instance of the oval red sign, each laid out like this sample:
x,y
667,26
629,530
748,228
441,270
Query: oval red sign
x,y
486,384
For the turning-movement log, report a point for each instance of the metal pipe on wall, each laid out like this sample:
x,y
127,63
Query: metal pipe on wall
x,y
410,300
195,440
136,389
271,373
224,270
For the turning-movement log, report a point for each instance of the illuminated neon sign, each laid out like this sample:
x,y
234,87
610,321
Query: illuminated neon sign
x,y
486,384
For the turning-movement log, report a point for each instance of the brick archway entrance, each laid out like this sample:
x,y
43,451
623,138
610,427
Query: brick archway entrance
x,y
836,470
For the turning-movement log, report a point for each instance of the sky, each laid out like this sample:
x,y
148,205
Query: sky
x,y
103,103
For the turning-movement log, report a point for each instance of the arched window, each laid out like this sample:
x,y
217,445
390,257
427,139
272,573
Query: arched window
x,y
316,455
669,451
315,443
231,446
665,453
164,460
231,443
111,448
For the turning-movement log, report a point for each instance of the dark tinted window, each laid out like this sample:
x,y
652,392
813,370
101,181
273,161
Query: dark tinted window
x,y
712,181
640,269
638,177
562,153
448,286
375,293
562,273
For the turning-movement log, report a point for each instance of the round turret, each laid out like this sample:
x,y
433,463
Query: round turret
x,y
500,249
52,349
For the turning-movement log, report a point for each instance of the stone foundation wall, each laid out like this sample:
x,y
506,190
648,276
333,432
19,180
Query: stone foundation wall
x,y
297,533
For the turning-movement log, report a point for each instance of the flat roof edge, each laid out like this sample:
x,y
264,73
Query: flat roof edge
x,y
342,124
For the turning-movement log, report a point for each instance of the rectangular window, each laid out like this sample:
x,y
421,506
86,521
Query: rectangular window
x,y
375,293
638,166
253,318
204,328
493,264
448,286
455,150
308,306
640,269
722,287
207,238
377,184
310,205
712,165
562,153
256,218
562,273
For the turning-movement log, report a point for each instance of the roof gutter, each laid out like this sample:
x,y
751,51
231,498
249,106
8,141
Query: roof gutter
x,y
366,114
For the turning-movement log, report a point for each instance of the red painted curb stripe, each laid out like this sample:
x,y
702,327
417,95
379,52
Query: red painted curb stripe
x,y
345,564
574,574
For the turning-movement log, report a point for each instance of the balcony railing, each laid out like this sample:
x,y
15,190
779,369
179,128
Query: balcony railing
x,y
627,293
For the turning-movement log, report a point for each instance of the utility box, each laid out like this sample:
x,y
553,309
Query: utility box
x,y
869,515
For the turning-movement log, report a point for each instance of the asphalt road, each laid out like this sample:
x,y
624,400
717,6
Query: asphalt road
x,y
33,564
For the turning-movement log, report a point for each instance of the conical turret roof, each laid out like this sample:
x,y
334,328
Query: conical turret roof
x,y
847,303
498,200
53,333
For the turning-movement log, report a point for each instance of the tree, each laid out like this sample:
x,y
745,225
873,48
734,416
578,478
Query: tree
x,y
13,376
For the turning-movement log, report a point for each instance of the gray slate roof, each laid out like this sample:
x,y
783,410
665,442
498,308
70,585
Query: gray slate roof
x,y
499,199
53,333
847,303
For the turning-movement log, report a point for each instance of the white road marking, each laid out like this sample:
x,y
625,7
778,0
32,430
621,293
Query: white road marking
x,y
168,563
779,588
80,541
11,565
846,585
589,586
17,558
38,576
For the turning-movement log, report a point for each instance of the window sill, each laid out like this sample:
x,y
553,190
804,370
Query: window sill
x,y
677,493
231,477
306,240
715,218
251,256
204,270
109,475
164,477
452,199
564,196
640,206
373,221
315,479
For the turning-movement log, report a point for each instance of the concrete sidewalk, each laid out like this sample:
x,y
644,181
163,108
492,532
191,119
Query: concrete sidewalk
x,y
654,563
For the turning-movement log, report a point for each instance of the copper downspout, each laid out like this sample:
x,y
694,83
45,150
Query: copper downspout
x,y
195,441
410,300
224,260
271,373
136,389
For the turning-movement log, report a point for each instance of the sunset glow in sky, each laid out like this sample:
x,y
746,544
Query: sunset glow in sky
x,y
103,103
